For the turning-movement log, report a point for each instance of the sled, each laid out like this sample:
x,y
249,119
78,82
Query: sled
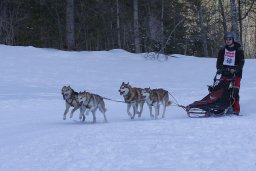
x,y
218,102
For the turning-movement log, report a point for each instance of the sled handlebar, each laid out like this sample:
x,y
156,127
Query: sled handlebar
x,y
227,70
227,79
220,71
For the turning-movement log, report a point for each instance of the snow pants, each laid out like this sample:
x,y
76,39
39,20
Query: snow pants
x,y
236,87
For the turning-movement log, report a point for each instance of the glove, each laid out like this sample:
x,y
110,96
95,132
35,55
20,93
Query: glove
x,y
210,88
219,71
232,71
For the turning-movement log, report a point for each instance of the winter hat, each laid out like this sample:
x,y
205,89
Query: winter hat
x,y
229,35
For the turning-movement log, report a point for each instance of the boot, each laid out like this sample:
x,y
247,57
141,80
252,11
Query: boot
x,y
236,107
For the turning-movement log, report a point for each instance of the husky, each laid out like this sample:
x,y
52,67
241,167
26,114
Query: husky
x,y
133,98
154,97
92,102
70,97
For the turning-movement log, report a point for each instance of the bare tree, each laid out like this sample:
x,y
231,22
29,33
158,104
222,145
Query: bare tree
x,y
234,20
136,26
162,24
224,20
140,26
240,21
246,13
10,20
118,24
70,26
203,33
254,51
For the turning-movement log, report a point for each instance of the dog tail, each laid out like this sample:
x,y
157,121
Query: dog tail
x,y
105,109
102,107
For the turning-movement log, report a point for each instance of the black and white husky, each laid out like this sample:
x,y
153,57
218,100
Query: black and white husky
x,y
70,97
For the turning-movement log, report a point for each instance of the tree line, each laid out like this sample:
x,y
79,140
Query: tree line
x,y
194,27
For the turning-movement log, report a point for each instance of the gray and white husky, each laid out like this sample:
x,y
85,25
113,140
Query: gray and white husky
x,y
133,98
91,102
155,97
70,97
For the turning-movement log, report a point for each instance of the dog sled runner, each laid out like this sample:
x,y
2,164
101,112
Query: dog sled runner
x,y
218,102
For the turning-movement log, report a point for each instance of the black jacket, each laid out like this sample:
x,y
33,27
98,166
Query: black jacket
x,y
239,59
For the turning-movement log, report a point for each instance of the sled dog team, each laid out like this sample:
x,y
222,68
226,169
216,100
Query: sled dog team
x,y
134,97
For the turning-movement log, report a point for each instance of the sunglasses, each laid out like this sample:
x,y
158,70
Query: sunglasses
x,y
228,39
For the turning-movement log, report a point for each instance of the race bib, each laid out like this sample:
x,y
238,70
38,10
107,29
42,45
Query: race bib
x,y
229,58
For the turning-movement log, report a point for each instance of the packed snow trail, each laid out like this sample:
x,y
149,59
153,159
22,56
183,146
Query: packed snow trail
x,y
33,135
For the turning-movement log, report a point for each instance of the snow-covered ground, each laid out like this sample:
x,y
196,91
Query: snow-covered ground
x,y
33,136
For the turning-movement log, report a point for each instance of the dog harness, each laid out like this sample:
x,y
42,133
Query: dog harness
x,y
73,98
87,105
91,96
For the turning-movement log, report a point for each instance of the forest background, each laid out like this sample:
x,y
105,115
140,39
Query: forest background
x,y
194,27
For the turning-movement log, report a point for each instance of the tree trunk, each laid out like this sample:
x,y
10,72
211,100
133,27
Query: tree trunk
x,y
162,25
224,21
60,26
240,21
70,26
9,22
118,25
136,26
254,51
234,20
203,32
